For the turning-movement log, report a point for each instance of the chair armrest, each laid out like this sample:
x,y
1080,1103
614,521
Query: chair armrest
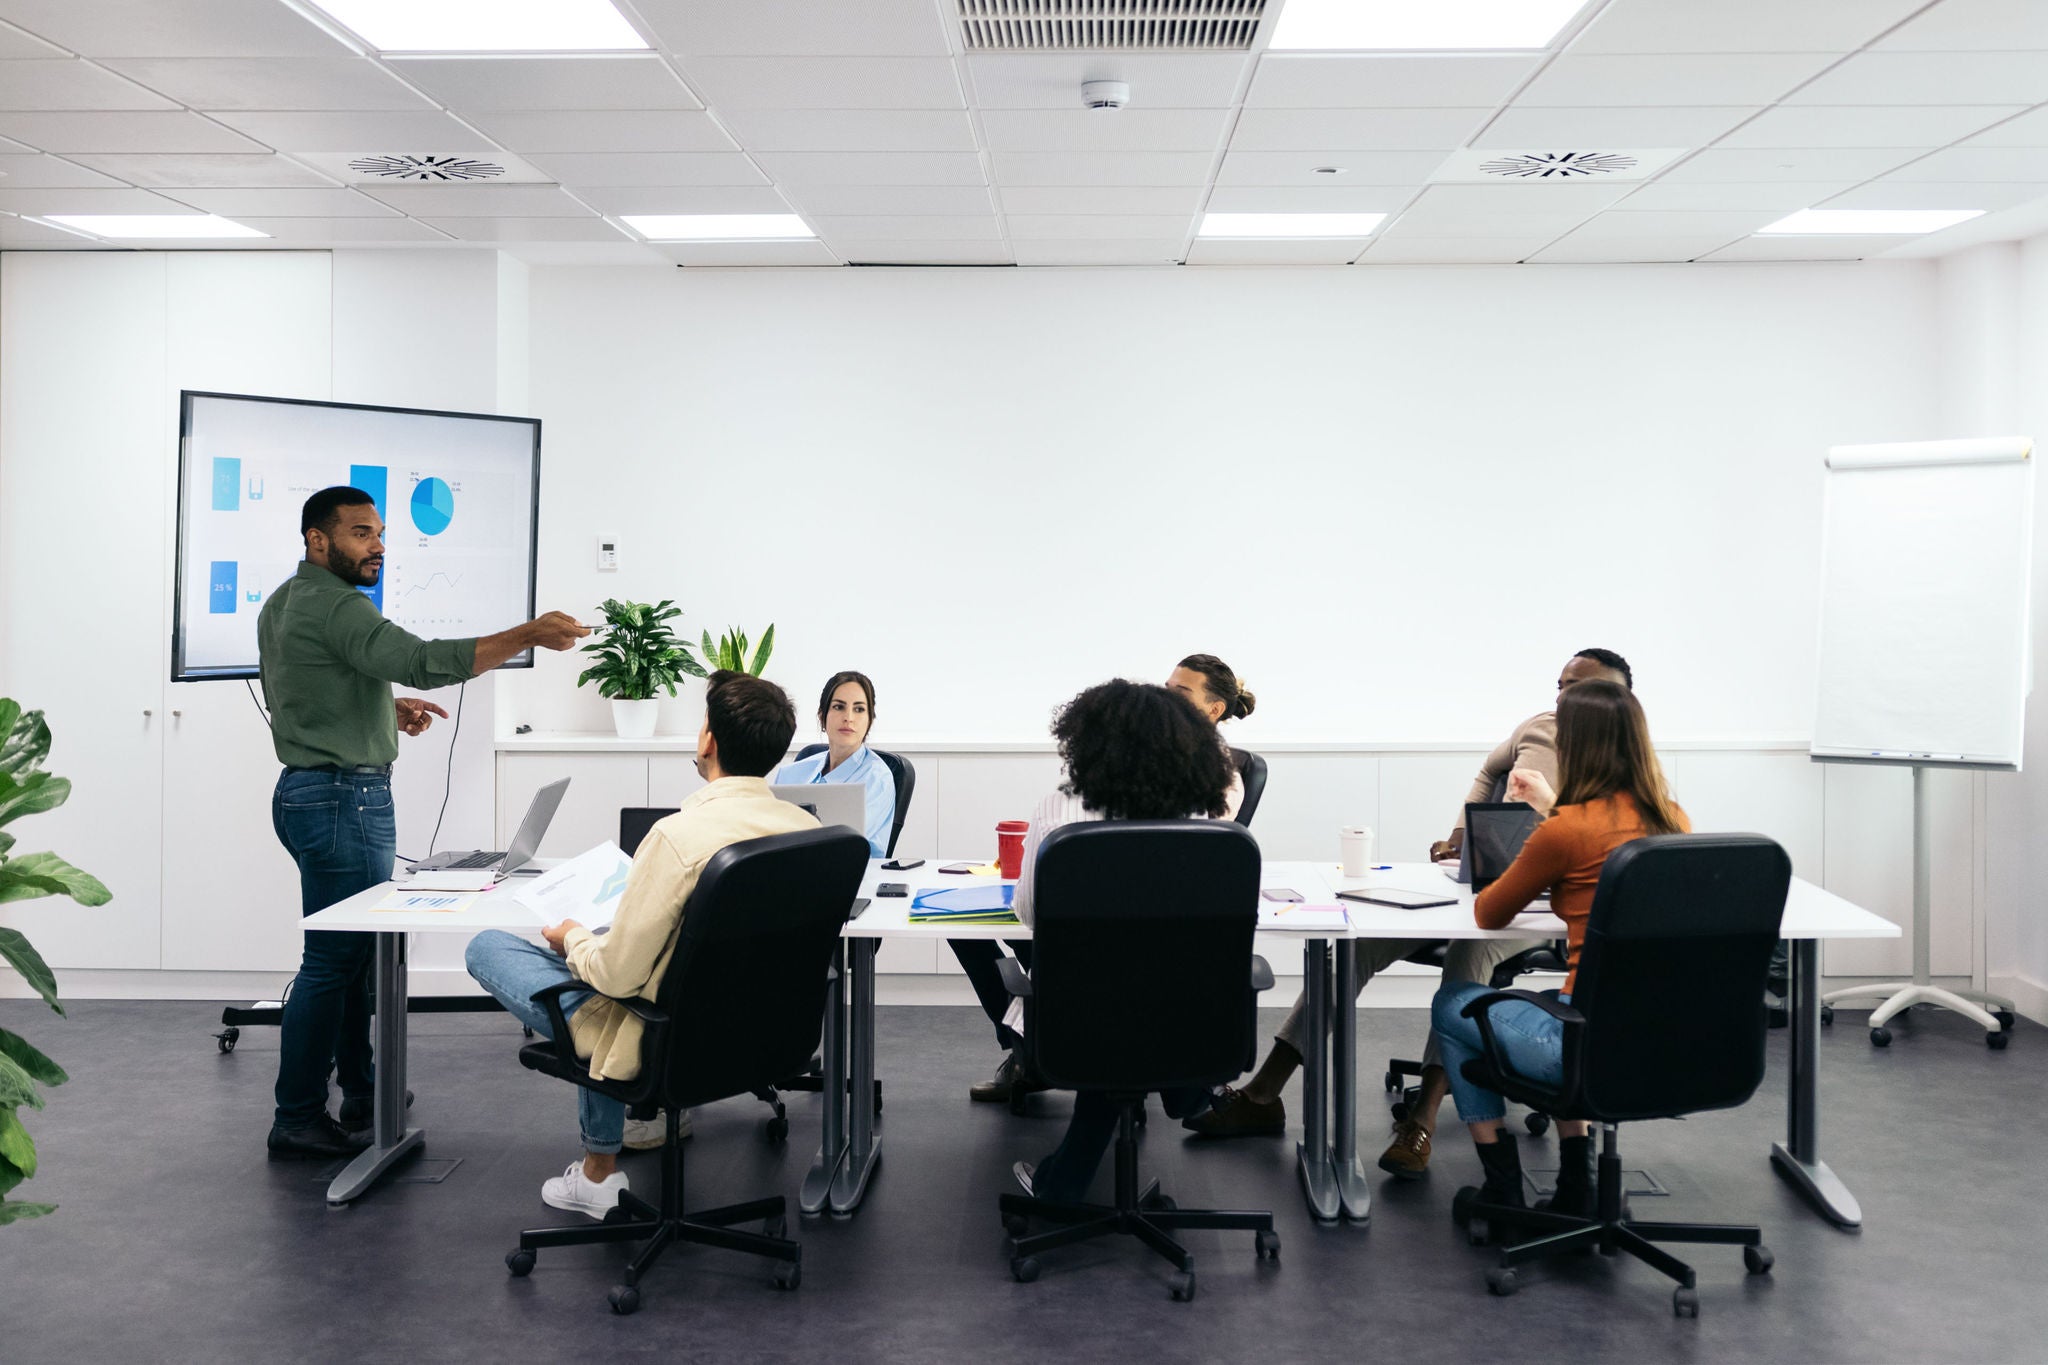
x,y
550,999
1477,1009
1015,981
1262,974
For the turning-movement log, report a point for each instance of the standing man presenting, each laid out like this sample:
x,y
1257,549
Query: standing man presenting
x,y
329,659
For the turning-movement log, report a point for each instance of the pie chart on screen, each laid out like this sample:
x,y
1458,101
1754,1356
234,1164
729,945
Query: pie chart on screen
x,y
433,506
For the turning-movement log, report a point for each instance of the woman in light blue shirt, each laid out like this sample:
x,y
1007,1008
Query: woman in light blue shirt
x,y
846,710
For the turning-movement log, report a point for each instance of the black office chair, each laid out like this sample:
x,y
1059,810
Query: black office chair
x,y
1666,1019
1251,770
1142,936
743,1000
900,768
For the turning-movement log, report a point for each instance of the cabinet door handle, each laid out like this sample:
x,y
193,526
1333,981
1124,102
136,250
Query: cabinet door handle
x,y
147,712
175,715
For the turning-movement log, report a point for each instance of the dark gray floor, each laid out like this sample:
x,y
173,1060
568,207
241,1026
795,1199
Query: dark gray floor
x,y
177,1240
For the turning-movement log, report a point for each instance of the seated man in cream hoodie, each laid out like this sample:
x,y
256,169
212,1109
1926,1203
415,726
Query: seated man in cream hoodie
x,y
748,724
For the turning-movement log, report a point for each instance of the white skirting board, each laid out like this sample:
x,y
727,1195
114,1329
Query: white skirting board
x,y
2028,995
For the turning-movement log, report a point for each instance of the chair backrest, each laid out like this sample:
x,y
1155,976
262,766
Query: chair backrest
x,y
635,822
1251,770
1141,954
1671,974
746,987
900,768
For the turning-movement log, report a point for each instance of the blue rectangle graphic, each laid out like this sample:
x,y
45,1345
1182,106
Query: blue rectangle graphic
x,y
221,589
372,479
227,485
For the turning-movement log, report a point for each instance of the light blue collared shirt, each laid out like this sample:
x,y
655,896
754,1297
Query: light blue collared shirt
x,y
863,767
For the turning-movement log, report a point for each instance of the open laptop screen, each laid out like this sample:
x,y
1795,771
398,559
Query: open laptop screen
x,y
1494,833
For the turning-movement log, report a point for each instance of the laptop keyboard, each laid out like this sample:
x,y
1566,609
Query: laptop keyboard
x,y
475,860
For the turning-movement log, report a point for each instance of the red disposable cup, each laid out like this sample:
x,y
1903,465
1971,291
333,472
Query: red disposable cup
x,y
1010,846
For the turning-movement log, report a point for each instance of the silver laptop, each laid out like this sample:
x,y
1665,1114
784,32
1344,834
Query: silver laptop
x,y
834,803
524,844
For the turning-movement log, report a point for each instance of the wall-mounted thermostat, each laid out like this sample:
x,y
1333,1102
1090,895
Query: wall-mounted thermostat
x,y
607,554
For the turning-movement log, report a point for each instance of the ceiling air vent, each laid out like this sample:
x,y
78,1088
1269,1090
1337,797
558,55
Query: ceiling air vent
x,y
1478,165
425,168
1560,165
1110,25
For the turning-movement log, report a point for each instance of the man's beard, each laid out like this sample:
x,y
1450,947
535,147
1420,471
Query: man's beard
x,y
356,572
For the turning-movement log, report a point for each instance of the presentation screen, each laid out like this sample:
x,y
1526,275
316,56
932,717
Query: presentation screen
x,y
458,492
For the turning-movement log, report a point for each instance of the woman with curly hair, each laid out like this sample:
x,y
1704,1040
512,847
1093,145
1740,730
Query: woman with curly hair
x,y
1131,752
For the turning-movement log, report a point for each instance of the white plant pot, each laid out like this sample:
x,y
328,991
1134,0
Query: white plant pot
x,y
635,719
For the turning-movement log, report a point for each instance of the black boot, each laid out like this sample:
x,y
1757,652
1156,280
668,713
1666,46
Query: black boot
x,y
1502,1163
1578,1193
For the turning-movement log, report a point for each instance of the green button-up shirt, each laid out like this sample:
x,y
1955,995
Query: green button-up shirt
x,y
329,658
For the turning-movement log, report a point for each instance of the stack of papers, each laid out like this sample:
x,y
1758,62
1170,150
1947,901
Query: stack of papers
x,y
1301,917
964,905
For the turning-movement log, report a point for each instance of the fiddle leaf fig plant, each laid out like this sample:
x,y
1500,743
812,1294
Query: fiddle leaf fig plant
x,y
25,789
730,651
638,654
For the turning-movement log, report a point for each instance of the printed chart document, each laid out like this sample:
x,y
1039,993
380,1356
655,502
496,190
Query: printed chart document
x,y
586,888
416,902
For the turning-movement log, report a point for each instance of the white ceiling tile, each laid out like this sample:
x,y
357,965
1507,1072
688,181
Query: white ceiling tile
x,y
19,44
1102,168
1344,130
1991,196
623,199
1318,251
1722,227
172,28
1782,195
1420,250
1642,26
1910,125
1178,200
605,130
1105,130
427,131
163,170
71,84
1807,248
1573,81
18,234
85,199
852,130
1748,165
1932,78
940,228
348,230
1974,26
923,253
1150,251
478,201
1503,210
1405,81
585,253
1979,163
288,203
852,201
2028,130
343,166
1025,227
9,145
583,81
1579,250
1279,199
736,254
1523,129
826,82
211,83
1297,169
551,229
1053,80
650,168
873,168
129,132
796,28
34,171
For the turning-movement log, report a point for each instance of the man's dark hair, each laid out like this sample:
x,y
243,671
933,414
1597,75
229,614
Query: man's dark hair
x,y
1137,752
752,719
323,509
1607,658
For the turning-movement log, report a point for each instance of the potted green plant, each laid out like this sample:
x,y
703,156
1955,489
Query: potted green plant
x,y
730,651
637,656
26,789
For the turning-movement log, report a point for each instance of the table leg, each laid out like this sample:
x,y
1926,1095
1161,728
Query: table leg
x,y
816,1194
394,1141
1797,1158
1353,1194
864,1144
1318,1181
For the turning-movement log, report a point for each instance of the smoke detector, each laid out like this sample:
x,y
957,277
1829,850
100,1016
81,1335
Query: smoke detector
x,y
1105,94
443,168
1494,164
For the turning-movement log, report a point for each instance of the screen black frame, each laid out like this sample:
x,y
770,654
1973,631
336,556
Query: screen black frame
x,y
179,672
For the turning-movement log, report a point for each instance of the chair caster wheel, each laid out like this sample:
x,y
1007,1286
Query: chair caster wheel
x,y
1502,1281
1997,1041
519,1262
789,1275
624,1299
1537,1124
1024,1269
1399,1111
1685,1303
229,1036
1881,1037
2004,1017
1461,1205
1758,1260
1015,1224
1478,1233
775,1131
1269,1246
1182,1286
1392,1080
1827,1014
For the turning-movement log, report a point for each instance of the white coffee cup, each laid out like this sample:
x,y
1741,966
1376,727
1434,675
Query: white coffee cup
x,y
1356,844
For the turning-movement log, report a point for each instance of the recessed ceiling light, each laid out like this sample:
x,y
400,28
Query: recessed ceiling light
x,y
486,25
716,227
158,225
1848,221
1406,25
1289,224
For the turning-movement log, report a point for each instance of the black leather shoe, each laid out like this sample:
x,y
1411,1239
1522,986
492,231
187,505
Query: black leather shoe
x,y
323,1137
358,1114
1010,1079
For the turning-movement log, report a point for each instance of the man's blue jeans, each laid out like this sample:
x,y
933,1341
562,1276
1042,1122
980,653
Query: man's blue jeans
x,y
512,969
340,829
1531,1041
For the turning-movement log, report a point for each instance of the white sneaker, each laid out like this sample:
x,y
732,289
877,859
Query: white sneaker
x,y
645,1135
578,1193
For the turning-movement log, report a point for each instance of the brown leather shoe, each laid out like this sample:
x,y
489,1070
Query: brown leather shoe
x,y
1236,1114
1010,1078
1407,1156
